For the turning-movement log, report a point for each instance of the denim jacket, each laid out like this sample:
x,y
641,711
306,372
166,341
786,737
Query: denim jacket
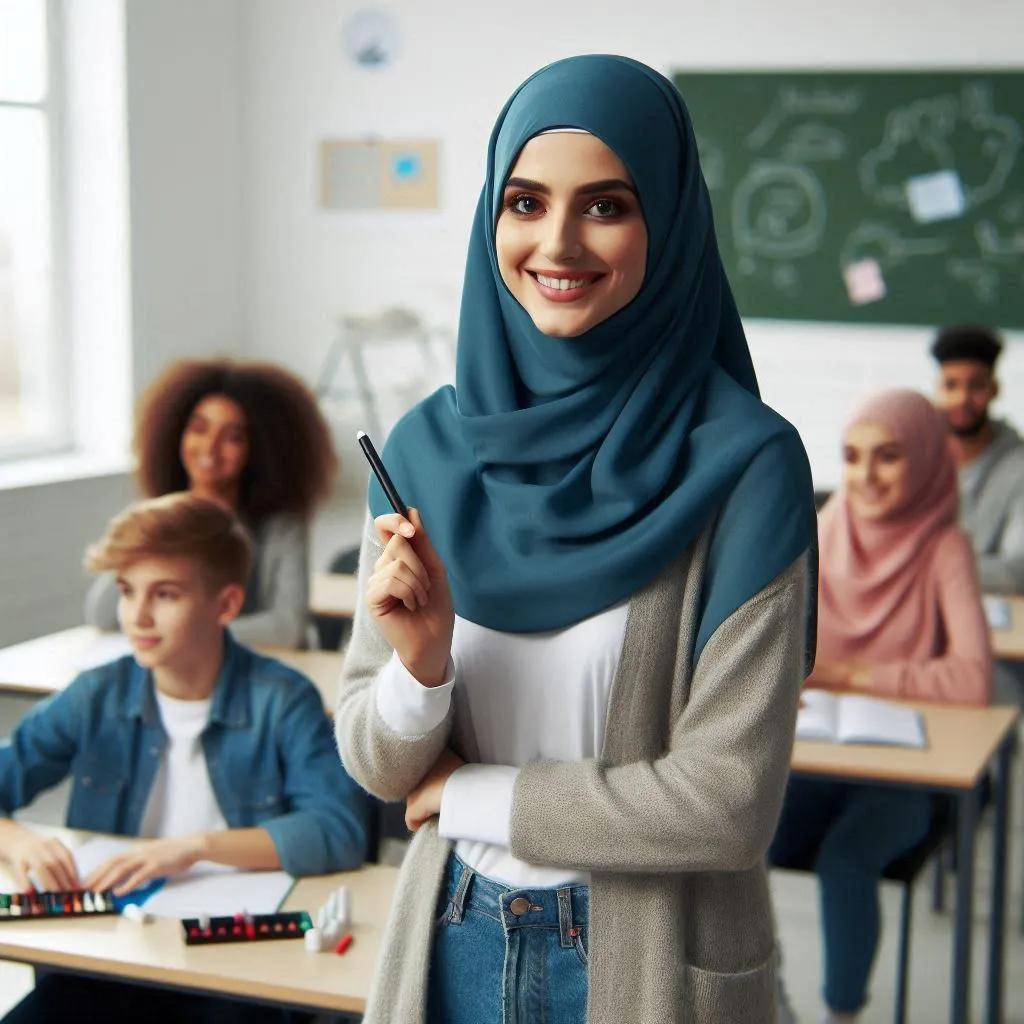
x,y
269,750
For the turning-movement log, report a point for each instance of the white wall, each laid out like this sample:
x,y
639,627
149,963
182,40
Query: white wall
x,y
187,179
459,62
45,533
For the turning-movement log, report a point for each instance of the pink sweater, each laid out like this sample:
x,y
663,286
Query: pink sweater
x,y
957,667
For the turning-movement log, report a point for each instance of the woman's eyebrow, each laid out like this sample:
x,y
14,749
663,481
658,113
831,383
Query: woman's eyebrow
x,y
606,185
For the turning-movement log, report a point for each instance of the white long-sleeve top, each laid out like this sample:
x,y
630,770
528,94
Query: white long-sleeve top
x,y
531,696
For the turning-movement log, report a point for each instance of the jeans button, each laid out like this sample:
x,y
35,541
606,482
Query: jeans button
x,y
519,906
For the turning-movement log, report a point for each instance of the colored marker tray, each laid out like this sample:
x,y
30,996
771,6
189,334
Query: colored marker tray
x,y
37,906
242,928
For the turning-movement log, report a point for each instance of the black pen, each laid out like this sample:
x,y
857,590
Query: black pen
x,y
381,473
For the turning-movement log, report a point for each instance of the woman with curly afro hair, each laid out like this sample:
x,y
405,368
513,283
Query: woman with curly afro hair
x,y
251,437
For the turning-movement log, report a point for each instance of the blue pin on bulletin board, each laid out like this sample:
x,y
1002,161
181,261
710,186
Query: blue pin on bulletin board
x,y
406,166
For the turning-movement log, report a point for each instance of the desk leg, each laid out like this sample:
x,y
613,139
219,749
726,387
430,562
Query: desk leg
x,y
966,822
997,911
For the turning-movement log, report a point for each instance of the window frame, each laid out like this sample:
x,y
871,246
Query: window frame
x,y
60,391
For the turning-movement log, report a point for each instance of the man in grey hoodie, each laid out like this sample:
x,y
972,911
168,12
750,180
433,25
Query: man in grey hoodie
x,y
989,455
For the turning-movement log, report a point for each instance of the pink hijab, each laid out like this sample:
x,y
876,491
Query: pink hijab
x,y
875,601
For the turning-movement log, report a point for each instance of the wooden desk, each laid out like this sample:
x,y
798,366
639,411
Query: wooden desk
x,y
1008,644
333,595
962,744
266,972
47,664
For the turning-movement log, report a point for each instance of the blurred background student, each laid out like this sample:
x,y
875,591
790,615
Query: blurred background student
x,y
899,615
251,437
988,452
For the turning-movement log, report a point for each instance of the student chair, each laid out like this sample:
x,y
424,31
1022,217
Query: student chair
x,y
905,871
386,821
331,633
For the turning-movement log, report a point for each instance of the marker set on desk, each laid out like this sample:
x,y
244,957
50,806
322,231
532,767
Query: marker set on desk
x,y
206,931
20,905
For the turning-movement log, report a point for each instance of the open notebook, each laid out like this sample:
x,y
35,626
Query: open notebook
x,y
205,889
848,718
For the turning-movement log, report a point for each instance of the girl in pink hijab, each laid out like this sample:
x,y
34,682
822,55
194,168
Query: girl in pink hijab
x,y
899,615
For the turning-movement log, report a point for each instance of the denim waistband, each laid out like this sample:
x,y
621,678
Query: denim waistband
x,y
564,908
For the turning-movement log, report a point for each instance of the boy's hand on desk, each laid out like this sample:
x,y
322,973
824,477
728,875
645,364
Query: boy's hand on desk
x,y
49,860
424,802
153,858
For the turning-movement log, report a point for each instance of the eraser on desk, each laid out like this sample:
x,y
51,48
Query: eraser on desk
x,y
135,913
312,941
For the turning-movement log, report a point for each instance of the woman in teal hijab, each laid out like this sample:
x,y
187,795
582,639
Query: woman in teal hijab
x,y
581,656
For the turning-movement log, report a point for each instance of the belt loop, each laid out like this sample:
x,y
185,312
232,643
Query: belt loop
x,y
565,917
459,900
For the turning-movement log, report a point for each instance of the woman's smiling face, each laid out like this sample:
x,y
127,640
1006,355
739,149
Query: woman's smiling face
x,y
570,237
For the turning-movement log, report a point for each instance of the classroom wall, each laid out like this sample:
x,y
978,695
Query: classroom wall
x,y
45,533
186,167
458,63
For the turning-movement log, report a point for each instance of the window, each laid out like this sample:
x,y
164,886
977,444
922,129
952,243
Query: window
x,y
34,380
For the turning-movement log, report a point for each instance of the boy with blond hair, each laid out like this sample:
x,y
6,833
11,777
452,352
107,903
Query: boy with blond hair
x,y
202,747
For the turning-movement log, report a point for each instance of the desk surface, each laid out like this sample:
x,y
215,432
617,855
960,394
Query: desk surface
x,y
47,664
961,742
280,971
1009,643
333,595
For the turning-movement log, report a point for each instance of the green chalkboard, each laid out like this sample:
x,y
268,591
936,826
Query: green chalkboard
x,y
871,197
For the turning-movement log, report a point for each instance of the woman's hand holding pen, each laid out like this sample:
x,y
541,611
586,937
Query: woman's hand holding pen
x,y
408,596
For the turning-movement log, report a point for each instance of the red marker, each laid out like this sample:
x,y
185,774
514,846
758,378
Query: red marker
x,y
346,941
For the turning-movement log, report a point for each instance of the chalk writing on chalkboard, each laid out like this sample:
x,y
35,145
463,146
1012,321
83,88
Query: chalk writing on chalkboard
x,y
875,196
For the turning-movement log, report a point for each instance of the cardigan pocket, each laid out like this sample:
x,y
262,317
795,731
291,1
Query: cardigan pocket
x,y
747,997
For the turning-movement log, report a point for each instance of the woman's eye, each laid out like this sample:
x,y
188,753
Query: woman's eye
x,y
523,205
605,208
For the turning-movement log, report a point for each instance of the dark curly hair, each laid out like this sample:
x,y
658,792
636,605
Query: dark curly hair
x,y
291,464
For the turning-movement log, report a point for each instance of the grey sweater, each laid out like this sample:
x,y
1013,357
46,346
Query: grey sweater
x,y
992,511
277,598
672,821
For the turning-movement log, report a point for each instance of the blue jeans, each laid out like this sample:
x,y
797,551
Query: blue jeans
x,y
507,956
852,833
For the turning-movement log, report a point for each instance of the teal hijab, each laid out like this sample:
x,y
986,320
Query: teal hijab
x,y
561,475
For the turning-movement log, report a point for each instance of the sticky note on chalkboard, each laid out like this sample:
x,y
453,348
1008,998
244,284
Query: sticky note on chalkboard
x,y
934,197
864,282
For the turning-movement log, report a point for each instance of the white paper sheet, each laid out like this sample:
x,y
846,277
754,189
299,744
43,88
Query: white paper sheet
x,y
206,889
997,611
93,852
211,889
